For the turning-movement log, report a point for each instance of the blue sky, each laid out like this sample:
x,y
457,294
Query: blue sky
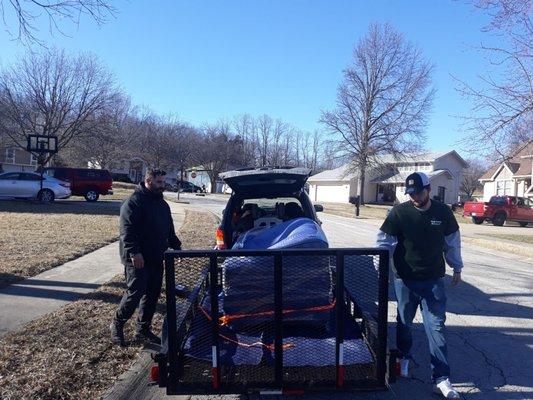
x,y
206,60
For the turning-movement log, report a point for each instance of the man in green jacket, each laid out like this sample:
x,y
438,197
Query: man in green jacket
x,y
420,235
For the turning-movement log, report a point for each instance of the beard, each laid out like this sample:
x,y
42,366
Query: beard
x,y
422,203
157,190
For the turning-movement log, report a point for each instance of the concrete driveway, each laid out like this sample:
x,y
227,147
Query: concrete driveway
x,y
490,323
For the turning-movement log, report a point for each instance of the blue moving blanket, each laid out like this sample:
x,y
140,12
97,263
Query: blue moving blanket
x,y
248,282
308,347
297,233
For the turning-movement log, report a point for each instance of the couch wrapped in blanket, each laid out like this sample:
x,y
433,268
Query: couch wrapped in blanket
x,y
247,298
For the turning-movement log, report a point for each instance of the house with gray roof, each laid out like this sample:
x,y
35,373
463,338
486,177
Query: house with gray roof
x,y
385,184
513,177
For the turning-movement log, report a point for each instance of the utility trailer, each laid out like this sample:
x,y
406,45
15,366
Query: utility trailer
x,y
287,347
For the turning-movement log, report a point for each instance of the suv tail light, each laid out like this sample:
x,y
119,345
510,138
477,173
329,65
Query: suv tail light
x,y
220,239
154,373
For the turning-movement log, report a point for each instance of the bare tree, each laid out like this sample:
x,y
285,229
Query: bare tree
x,y
186,141
53,94
315,150
106,143
287,151
470,178
305,148
275,149
28,12
384,100
244,126
264,132
501,116
218,150
155,141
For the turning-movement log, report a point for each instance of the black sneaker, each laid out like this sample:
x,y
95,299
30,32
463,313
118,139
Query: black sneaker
x,y
117,333
147,336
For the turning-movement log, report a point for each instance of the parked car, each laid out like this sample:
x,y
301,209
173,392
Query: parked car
x,y
189,187
89,183
500,209
121,177
27,185
269,195
170,187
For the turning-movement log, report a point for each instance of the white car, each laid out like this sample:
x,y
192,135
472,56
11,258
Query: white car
x,y
27,185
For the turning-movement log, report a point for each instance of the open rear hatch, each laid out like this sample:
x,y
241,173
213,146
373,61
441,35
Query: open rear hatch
x,y
266,181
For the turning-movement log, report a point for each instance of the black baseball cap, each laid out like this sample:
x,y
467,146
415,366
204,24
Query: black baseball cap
x,y
416,182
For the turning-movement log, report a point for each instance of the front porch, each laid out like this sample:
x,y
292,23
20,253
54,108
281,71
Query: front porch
x,y
385,193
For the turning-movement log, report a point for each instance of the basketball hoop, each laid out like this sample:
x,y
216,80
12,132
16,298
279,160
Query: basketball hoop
x,y
42,144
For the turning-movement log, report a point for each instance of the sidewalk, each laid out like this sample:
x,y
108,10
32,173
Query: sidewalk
x,y
31,298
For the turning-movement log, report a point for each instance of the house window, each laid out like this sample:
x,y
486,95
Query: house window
x,y
424,167
10,156
504,187
33,160
441,193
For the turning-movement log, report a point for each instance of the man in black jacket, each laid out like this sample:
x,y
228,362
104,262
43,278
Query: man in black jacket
x,y
146,231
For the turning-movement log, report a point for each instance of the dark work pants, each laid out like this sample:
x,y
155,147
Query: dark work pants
x,y
144,288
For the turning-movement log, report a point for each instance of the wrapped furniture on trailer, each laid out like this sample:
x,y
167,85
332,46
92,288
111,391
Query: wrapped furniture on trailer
x,y
277,349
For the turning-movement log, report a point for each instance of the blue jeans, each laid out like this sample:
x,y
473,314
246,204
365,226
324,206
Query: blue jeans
x,y
431,297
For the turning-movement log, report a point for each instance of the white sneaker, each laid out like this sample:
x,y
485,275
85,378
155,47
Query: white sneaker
x,y
446,389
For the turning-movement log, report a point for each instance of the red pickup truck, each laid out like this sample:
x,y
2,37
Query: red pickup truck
x,y
500,209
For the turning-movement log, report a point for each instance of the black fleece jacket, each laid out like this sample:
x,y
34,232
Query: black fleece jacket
x,y
146,227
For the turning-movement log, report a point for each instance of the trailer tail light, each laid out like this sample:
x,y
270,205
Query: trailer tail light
x,y
154,373
220,239
398,367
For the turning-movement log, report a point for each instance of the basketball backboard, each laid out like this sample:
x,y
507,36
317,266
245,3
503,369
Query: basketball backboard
x,y
42,144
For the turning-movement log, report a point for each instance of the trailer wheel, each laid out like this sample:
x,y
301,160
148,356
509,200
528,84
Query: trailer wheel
x,y
499,219
477,220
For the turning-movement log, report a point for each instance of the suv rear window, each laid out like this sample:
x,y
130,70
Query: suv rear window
x,y
56,173
498,201
60,174
275,207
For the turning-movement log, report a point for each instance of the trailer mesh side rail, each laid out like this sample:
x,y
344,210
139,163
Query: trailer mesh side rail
x,y
276,320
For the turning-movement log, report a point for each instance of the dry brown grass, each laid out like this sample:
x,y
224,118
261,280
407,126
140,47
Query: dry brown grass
x,y
515,238
498,245
68,354
123,185
36,237
374,211
348,210
118,193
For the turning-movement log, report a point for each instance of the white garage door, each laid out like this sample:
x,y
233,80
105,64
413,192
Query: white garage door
x,y
333,193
